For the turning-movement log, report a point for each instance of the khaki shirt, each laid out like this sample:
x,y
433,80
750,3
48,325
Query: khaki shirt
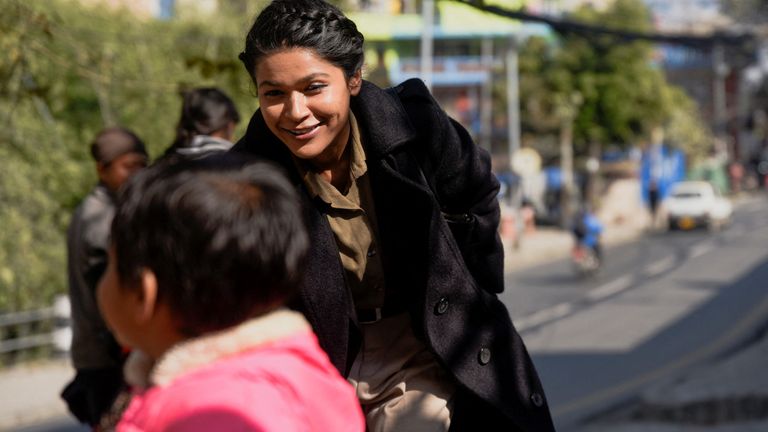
x,y
351,215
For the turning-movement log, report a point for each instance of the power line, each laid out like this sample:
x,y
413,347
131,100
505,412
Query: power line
x,y
571,27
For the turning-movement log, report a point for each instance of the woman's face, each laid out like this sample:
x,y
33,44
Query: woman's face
x,y
305,102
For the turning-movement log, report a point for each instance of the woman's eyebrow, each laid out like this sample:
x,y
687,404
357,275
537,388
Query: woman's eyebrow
x,y
309,77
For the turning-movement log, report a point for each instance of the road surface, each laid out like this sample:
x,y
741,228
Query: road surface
x,y
663,304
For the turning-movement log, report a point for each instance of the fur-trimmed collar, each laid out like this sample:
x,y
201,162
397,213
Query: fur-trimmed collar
x,y
142,372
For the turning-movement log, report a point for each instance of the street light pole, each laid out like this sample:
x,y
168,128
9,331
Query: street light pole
x,y
428,17
513,100
486,102
513,132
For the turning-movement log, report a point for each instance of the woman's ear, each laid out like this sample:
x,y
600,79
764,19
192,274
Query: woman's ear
x,y
147,300
355,82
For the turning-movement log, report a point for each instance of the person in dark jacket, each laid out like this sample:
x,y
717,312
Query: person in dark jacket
x,y
96,357
206,125
406,262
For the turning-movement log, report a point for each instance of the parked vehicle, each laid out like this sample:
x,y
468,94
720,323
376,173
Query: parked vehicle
x,y
692,204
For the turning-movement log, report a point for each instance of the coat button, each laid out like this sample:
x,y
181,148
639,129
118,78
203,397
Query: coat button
x,y
484,356
442,306
537,400
371,252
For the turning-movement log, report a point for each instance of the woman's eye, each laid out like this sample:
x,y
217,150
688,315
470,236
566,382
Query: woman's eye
x,y
316,87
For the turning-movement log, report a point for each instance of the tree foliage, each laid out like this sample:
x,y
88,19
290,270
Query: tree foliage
x,y
746,11
68,72
610,89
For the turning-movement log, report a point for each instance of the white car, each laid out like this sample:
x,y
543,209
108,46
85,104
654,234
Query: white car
x,y
696,203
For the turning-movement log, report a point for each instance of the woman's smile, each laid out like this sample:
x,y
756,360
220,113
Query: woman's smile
x,y
305,133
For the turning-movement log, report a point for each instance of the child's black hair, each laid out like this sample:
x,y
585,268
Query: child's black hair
x,y
224,236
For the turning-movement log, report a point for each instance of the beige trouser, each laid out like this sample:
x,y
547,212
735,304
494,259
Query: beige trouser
x,y
400,385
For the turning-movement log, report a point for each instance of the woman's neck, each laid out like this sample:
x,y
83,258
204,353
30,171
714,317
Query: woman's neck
x,y
337,174
335,168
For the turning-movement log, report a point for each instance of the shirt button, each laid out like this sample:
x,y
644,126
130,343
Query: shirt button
x,y
537,400
484,356
442,306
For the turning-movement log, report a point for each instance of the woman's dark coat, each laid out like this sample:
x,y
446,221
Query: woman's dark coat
x,y
442,256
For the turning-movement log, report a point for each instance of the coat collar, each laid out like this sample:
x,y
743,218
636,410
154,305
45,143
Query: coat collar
x,y
142,372
384,123
384,126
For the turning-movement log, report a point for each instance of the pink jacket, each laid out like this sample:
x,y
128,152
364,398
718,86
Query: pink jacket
x,y
268,374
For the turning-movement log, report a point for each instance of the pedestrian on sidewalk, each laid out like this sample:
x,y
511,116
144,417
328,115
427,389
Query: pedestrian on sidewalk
x,y
97,358
204,255
401,282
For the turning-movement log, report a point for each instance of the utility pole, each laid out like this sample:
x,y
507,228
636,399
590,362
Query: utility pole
x,y
427,38
513,134
513,101
486,101
568,108
566,169
720,71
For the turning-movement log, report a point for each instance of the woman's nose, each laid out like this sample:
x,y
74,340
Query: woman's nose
x,y
297,106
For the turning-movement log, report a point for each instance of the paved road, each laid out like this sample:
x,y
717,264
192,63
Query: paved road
x,y
664,303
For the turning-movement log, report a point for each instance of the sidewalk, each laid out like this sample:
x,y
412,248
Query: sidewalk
x,y
30,393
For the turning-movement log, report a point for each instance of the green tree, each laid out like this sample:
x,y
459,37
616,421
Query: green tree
x,y
746,11
68,72
621,93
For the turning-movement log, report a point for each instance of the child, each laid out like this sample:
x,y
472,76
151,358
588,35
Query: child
x,y
204,254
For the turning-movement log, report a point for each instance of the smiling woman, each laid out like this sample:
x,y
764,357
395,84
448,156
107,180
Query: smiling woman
x,y
405,305
305,102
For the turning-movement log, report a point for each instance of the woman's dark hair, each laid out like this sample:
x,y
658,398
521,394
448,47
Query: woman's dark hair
x,y
204,110
310,24
223,235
